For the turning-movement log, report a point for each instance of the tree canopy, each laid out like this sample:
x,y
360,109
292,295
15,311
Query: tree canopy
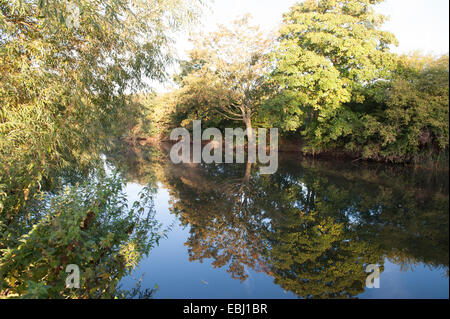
x,y
327,50
68,70
226,74
64,86
328,80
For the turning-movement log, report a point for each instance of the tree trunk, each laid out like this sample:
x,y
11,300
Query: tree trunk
x,y
248,124
248,171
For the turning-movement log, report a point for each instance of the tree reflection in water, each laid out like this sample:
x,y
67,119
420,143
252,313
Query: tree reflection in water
x,y
313,226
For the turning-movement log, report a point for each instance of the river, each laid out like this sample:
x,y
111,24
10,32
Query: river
x,y
308,231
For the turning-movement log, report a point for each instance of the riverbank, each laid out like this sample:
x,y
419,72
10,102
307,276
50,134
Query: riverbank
x,y
297,146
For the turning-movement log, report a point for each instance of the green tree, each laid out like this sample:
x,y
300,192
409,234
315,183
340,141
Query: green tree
x,y
225,75
410,121
65,79
158,114
327,51
404,119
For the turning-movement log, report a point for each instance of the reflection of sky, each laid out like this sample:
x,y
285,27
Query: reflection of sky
x,y
168,266
417,283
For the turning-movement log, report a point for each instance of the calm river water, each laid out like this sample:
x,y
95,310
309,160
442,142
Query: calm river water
x,y
308,231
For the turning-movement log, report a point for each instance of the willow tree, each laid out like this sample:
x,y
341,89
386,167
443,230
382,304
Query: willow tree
x,y
327,51
225,74
66,71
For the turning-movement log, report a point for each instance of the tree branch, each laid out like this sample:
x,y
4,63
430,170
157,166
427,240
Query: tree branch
x,y
229,117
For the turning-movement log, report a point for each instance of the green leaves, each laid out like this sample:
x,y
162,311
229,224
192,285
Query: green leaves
x,y
224,80
62,89
88,225
64,94
339,85
327,49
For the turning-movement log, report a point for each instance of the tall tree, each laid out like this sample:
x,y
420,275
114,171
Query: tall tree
x,y
226,72
66,68
327,50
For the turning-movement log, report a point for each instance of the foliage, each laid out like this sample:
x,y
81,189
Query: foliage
x,y
89,225
330,83
405,119
157,114
339,86
69,83
224,77
416,111
328,50
64,87
67,73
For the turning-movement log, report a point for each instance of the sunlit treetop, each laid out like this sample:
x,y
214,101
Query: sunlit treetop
x,y
326,50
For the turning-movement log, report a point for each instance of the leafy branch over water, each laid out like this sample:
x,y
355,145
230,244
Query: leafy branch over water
x,y
89,225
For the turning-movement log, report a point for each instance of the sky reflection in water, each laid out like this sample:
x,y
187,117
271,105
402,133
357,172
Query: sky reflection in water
x,y
305,232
